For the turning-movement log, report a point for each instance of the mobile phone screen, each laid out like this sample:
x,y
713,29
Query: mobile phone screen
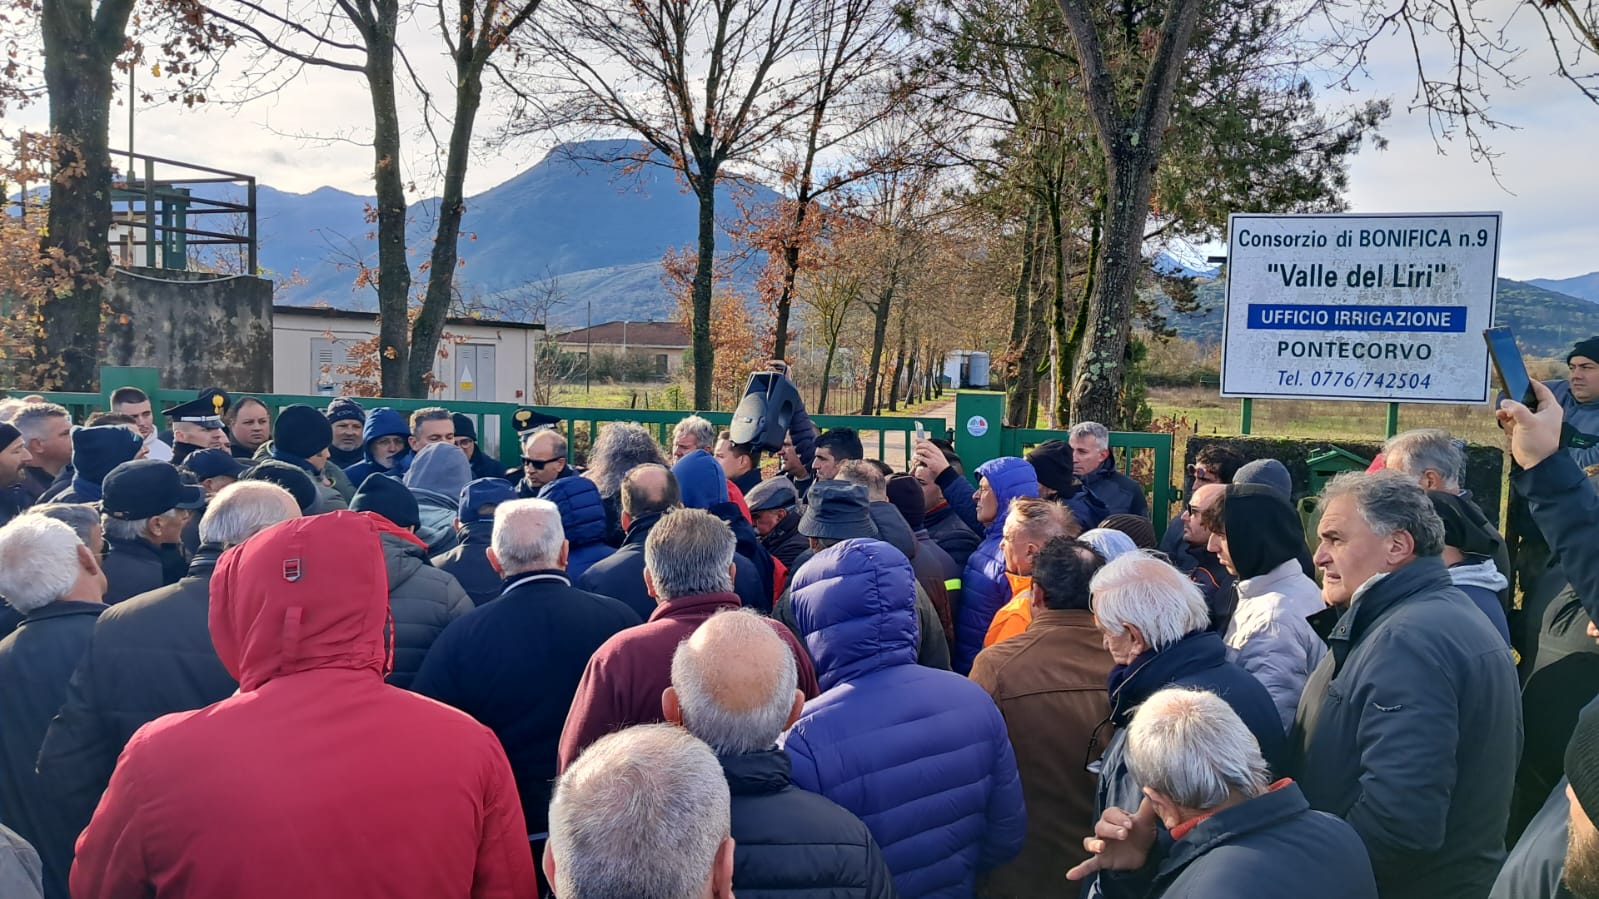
x,y
1508,365
921,432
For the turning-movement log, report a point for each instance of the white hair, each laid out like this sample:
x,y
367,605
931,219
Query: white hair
x,y
33,418
1419,450
527,535
1143,590
735,681
641,813
240,511
134,529
1390,501
9,408
703,432
81,517
1091,429
38,561
1191,746
689,552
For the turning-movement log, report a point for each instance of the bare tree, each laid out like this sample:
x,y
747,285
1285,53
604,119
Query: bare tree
x,y
702,82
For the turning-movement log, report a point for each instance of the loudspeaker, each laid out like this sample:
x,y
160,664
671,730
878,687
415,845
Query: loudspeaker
x,y
763,415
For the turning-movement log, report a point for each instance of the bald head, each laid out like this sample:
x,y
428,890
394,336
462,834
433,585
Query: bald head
x,y
1194,530
734,683
649,489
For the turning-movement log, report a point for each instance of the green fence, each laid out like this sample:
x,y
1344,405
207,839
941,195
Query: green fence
x,y
979,436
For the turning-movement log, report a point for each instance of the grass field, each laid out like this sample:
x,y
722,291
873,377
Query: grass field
x,y
1209,414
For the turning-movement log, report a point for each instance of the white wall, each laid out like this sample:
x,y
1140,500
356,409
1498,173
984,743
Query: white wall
x,y
294,372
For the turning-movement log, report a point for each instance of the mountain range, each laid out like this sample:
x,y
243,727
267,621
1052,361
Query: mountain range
x,y
598,229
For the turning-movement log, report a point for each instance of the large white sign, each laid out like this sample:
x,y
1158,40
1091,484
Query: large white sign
x,y
1360,307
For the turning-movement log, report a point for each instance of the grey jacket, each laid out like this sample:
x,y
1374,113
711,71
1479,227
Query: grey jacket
x,y
1269,637
1582,416
422,599
1410,729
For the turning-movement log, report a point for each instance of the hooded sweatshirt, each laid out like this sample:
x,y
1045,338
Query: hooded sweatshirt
x,y
382,422
703,485
583,520
1269,635
436,478
984,587
313,737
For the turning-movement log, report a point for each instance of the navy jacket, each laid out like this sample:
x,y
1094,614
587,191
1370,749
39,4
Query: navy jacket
x,y
514,665
36,662
922,756
1197,660
621,574
468,564
791,843
1272,845
138,566
583,519
984,586
1104,492
1409,729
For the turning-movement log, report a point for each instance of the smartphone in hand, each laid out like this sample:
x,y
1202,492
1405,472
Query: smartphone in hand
x,y
921,432
1509,366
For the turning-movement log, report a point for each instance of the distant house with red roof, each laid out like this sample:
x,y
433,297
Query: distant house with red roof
x,y
663,344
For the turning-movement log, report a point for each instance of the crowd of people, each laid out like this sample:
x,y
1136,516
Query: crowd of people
x,y
344,652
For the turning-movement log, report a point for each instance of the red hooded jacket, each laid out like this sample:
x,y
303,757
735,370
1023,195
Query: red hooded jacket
x,y
316,779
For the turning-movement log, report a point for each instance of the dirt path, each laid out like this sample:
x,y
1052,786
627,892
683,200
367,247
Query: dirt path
x,y
937,418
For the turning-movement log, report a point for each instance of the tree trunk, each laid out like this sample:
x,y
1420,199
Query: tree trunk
x,y
80,51
885,303
429,324
1021,398
1097,379
394,268
899,372
827,374
704,282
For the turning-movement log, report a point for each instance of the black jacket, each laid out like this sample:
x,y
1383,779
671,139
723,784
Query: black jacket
x,y
947,529
1533,868
621,574
514,665
791,844
150,656
467,562
138,566
36,662
13,500
1409,729
1272,845
784,541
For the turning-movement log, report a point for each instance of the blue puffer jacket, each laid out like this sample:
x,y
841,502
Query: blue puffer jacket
x,y
920,755
984,587
381,422
583,519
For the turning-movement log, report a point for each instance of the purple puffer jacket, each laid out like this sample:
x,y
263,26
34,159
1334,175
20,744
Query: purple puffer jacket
x,y
984,587
920,755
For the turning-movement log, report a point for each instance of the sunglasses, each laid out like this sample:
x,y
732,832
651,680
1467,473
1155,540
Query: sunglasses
x,y
1200,473
538,464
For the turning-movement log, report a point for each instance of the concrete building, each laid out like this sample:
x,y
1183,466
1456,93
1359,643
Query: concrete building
x,y
483,360
663,344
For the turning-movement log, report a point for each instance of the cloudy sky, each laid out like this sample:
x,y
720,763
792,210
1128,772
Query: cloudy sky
x,y
1547,187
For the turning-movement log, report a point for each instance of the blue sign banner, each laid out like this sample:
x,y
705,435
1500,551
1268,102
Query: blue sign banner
x,y
1296,317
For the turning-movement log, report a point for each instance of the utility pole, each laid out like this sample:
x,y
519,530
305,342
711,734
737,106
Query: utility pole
x,y
588,354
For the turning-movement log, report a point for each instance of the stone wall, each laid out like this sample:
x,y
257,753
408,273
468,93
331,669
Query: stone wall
x,y
199,329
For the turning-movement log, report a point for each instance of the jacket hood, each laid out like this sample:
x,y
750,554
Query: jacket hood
x,y
582,510
383,422
1478,573
1263,530
441,469
1010,477
855,604
306,594
700,481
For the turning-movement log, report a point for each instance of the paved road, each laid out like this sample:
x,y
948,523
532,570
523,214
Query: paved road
x,y
937,418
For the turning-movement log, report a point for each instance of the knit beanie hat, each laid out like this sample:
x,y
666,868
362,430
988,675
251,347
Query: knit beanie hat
x,y
344,409
301,431
387,497
1582,759
464,426
1052,459
1135,526
905,492
1269,472
8,435
289,476
1588,348
97,450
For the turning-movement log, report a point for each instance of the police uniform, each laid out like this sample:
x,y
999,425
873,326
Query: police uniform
x,y
205,410
527,421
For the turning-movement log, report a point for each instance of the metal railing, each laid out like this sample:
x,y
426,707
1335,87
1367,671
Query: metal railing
x,y
163,207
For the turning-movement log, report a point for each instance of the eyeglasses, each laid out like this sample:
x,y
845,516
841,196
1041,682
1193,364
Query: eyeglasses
x,y
1202,474
538,464
1190,511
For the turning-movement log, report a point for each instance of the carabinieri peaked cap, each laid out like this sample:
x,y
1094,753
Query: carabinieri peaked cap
x,y
528,420
204,410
